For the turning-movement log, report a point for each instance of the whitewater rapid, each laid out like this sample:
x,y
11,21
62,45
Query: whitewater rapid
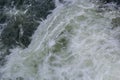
x,y
75,42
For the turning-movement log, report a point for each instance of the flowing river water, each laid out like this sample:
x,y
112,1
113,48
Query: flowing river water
x,y
76,42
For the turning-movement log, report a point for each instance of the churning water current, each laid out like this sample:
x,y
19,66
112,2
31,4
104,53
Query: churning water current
x,y
75,42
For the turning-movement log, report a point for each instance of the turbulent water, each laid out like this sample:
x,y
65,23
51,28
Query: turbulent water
x,y
76,42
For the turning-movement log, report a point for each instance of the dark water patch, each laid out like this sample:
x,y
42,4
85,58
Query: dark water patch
x,y
115,22
19,78
23,15
21,19
2,17
108,5
109,1
18,28
28,21
2,3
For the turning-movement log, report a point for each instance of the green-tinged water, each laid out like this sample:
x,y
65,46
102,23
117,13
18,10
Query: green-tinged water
x,y
75,42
